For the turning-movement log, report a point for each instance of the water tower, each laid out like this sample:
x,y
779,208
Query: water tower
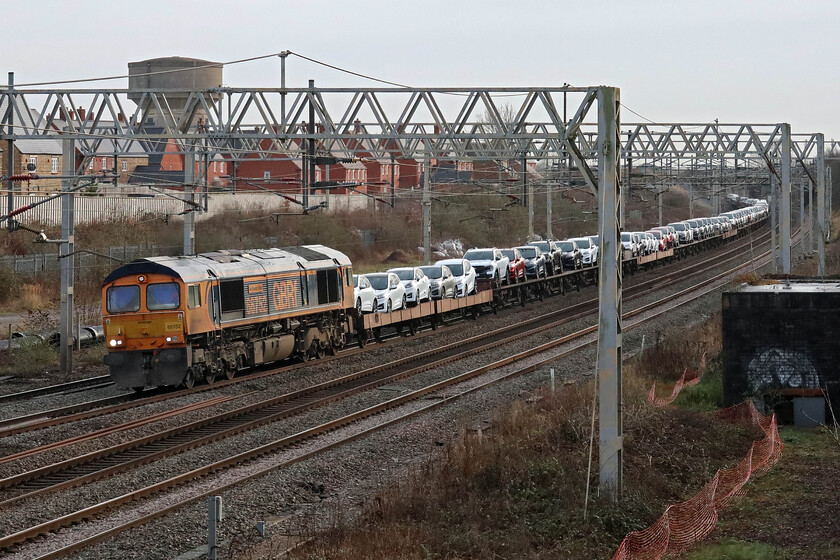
x,y
172,72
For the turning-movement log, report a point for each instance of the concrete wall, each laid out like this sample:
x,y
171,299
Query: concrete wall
x,y
777,340
98,208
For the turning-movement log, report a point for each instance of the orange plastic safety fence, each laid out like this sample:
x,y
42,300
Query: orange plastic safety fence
x,y
687,379
688,522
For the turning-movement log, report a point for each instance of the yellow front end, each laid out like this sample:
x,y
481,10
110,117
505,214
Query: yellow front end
x,y
143,317
144,331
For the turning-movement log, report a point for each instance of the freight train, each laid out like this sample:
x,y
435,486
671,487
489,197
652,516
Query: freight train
x,y
181,320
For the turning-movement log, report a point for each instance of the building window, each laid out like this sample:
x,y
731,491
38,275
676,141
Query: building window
x,y
214,167
54,165
221,167
33,160
125,165
104,163
90,165
266,175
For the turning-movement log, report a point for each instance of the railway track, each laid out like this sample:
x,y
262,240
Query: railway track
x,y
109,405
193,485
106,464
71,386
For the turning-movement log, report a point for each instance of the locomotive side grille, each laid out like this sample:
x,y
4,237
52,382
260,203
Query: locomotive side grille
x,y
306,253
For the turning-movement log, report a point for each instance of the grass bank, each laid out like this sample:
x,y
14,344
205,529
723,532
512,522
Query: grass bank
x,y
518,490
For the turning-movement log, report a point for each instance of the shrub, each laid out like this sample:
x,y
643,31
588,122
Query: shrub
x,y
10,285
30,359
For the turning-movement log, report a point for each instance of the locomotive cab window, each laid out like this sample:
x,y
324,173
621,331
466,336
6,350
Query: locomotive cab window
x,y
329,284
123,299
163,296
193,296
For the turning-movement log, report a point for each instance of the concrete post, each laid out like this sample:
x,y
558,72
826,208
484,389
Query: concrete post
x,y
66,250
548,211
809,225
529,186
821,226
659,204
427,212
609,294
773,202
310,162
10,158
214,517
802,181
829,193
784,214
283,56
189,202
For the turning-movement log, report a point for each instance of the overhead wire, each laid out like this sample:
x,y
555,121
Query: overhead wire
x,y
139,74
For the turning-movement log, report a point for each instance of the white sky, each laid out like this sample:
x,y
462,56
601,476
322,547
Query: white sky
x,y
674,60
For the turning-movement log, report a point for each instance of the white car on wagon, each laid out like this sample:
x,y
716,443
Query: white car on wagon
x,y
417,285
364,294
390,293
464,274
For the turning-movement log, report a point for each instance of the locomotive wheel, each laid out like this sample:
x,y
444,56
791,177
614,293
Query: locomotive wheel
x,y
209,376
412,327
230,369
362,338
189,379
138,390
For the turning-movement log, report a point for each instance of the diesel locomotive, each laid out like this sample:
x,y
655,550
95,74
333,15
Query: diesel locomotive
x,y
179,320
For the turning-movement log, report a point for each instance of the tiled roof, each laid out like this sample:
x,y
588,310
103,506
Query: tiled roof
x,y
38,146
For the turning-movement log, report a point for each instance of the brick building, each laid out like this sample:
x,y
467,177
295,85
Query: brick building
x,y
44,153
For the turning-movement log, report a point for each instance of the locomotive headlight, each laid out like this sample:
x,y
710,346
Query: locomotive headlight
x,y
171,339
113,342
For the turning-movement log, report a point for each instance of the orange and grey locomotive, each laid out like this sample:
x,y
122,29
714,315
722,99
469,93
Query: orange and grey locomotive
x,y
178,320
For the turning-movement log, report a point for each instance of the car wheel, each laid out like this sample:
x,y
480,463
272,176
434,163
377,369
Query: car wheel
x,y
404,302
389,305
359,305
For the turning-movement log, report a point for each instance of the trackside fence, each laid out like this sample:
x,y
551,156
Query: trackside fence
x,y
687,379
686,523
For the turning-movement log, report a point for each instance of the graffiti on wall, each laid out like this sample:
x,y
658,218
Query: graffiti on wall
x,y
781,368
